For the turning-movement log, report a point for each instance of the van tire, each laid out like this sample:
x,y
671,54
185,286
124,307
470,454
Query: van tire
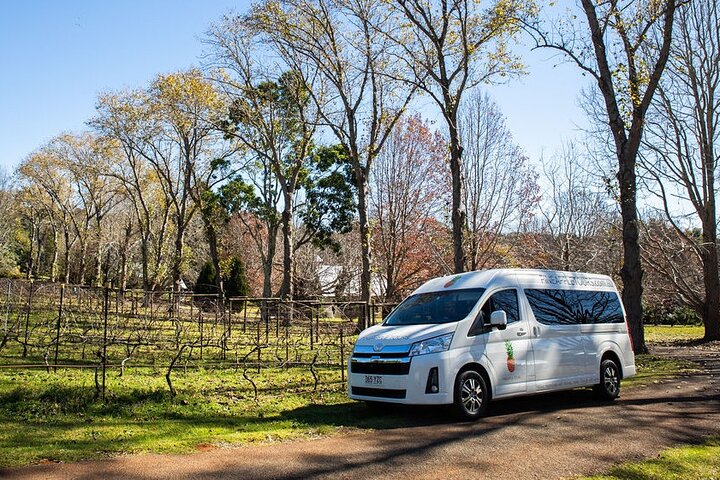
x,y
609,386
471,395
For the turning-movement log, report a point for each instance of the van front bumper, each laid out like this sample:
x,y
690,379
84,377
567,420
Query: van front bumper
x,y
411,388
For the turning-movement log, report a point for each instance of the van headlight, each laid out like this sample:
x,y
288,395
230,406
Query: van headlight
x,y
431,345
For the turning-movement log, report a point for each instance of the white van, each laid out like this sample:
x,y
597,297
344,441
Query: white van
x,y
471,338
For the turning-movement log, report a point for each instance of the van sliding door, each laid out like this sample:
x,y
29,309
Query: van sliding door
x,y
557,339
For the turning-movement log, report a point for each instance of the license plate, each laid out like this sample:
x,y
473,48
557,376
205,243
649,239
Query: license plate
x,y
373,380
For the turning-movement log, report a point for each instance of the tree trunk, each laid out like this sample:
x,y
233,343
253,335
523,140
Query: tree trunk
x,y
145,254
286,289
67,255
31,254
631,272
123,270
98,258
390,280
83,259
53,265
365,252
267,280
458,213
211,235
179,252
124,256
268,261
565,253
711,278
98,281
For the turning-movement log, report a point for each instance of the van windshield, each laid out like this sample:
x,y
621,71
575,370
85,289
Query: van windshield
x,y
435,307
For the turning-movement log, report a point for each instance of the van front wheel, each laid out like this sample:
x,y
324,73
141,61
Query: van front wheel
x,y
471,395
609,386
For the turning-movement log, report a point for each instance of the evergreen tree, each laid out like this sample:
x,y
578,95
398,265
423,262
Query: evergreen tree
x,y
236,284
206,280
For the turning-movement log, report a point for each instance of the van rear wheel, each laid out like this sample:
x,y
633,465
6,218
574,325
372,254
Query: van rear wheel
x,y
471,395
609,386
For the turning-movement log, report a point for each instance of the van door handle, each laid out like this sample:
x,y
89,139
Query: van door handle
x,y
521,332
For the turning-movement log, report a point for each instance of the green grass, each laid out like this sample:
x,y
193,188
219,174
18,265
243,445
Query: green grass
x,y
55,417
668,333
654,368
680,463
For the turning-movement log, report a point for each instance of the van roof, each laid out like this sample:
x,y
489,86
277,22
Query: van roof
x,y
516,277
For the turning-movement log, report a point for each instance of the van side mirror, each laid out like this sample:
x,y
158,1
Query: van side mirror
x,y
498,318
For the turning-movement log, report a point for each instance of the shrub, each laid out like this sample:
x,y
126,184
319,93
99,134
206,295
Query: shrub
x,y
206,280
234,278
676,315
8,263
236,282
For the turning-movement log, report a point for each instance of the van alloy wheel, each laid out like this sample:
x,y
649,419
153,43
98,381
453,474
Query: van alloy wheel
x,y
471,395
609,386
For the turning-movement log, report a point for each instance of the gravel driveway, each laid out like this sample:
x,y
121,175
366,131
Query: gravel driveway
x,y
551,436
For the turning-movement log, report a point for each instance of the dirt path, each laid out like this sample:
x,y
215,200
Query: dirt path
x,y
551,436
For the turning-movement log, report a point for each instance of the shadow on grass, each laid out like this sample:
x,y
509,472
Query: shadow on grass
x,y
74,400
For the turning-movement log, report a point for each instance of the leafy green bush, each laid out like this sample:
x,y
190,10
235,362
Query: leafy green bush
x,y
8,263
236,282
206,280
234,278
679,315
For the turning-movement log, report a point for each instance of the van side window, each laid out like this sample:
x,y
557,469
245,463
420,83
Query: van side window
x,y
570,307
506,300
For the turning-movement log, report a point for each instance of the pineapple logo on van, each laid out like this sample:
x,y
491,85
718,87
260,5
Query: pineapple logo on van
x,y
452,281
378,346
510,356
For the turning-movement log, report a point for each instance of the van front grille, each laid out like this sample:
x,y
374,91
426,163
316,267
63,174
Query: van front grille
x,y
380,354
381,368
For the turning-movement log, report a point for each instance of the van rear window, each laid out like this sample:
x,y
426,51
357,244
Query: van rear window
x,y
568,307
435,307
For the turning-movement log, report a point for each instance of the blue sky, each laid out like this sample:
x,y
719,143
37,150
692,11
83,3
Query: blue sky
x,y
56,56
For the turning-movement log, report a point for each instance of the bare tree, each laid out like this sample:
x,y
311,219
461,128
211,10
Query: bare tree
x,y
169,129
87,160
625,49
450,46
407,193
576,211
675,274
120,118
9,221
45,176
271,114
501,188
682,158
357,98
